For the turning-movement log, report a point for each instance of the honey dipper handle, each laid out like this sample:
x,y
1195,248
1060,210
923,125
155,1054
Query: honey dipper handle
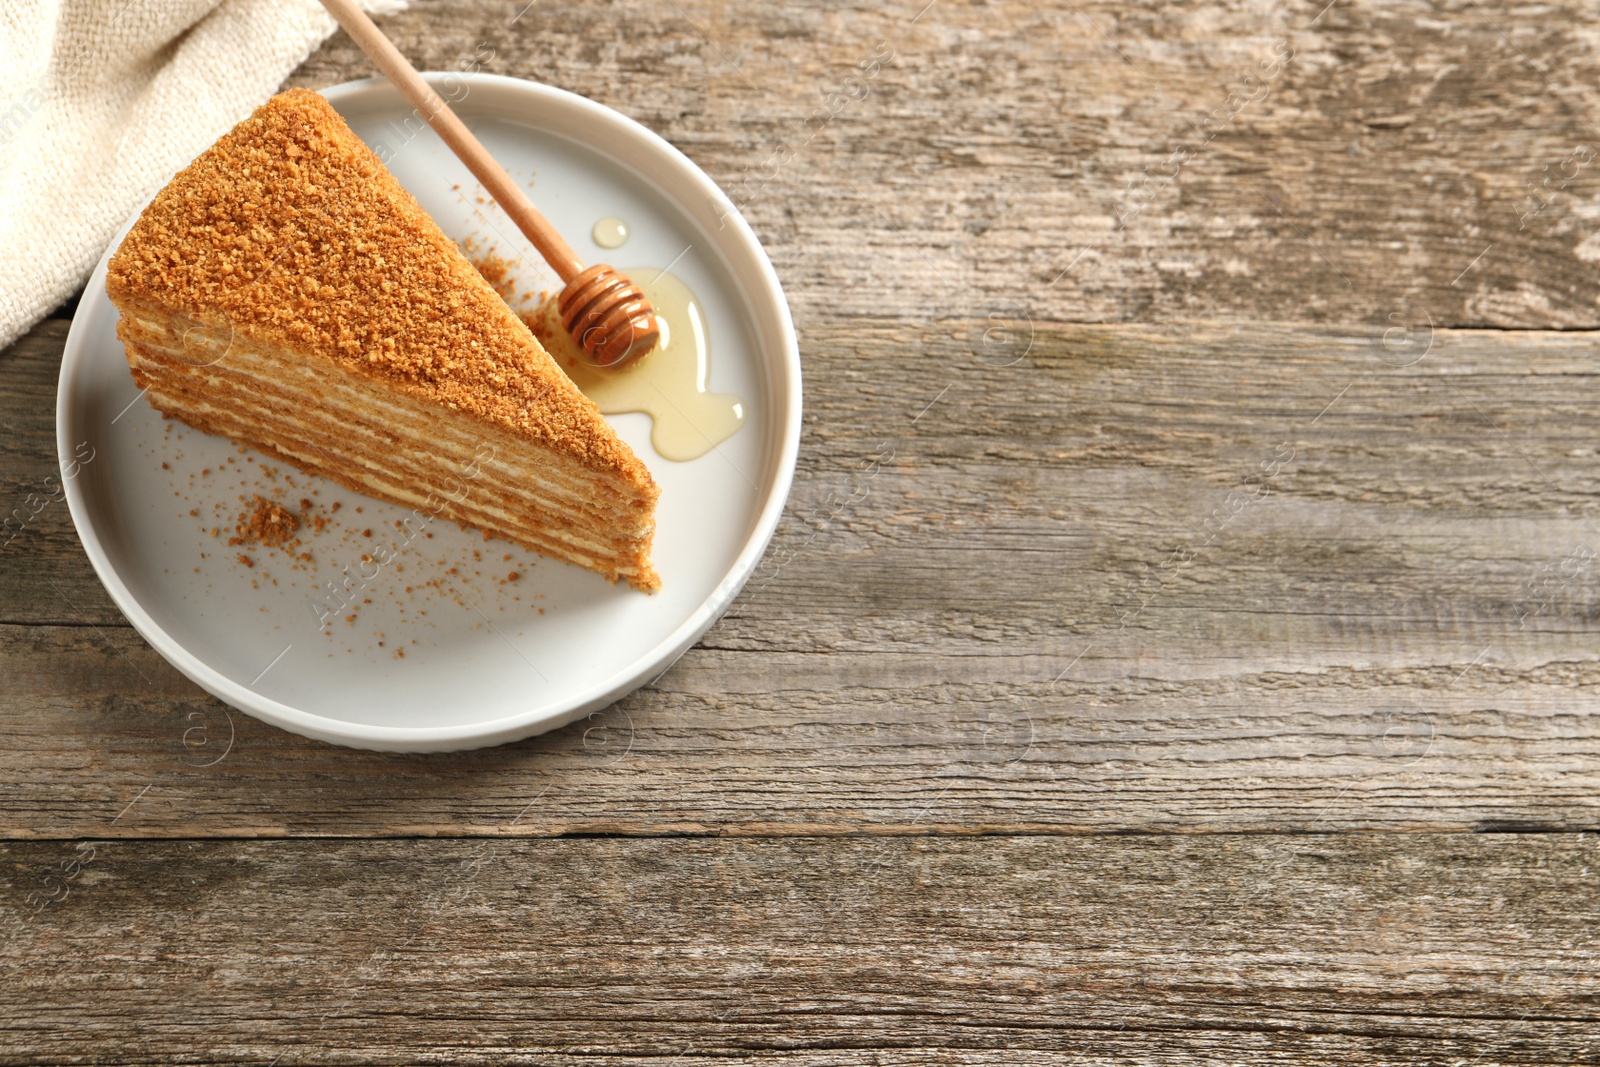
x,y
450,129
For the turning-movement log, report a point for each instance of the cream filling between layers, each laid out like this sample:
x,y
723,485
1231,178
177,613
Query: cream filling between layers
x,y
546,539
575,484
315,415
332,436
564,542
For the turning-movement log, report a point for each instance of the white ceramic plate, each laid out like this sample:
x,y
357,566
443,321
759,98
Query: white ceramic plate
x,y
486,659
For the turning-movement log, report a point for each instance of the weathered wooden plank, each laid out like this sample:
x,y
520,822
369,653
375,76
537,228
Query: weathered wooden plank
x,y
38,545
1135,611
1372,949
1102,161
778,743
1060,486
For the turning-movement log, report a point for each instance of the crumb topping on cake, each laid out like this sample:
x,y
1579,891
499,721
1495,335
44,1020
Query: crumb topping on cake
x,y
292,233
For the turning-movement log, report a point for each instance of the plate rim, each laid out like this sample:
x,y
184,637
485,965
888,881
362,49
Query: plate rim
x,y
644,669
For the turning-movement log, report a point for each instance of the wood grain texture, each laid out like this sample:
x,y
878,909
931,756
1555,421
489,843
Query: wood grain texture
x,y
1235,578
1190,500
1014,158
1362,949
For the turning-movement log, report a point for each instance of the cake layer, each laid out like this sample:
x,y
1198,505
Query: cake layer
x,y
472,503
282,383
395,448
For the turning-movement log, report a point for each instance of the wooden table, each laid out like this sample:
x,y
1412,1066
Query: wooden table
x,y
1203,674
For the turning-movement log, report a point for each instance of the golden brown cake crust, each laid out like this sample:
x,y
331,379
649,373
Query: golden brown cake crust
x,y
291,231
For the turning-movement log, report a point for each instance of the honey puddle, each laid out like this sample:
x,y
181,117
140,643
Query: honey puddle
x,y
670,384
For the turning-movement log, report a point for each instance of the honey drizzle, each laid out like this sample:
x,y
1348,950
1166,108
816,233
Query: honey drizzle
x,y
670,384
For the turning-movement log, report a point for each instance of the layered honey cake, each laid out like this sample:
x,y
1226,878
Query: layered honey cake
x,y
285,291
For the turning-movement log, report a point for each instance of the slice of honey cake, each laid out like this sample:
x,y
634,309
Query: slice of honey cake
x,y
285,291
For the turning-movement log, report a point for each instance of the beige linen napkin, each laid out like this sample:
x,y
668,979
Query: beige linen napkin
x,y
102,100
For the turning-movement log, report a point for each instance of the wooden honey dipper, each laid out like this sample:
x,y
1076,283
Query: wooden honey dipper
x,y
607,315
